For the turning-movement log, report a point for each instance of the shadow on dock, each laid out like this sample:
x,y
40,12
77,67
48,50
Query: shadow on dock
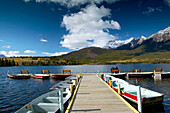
x,y
86,110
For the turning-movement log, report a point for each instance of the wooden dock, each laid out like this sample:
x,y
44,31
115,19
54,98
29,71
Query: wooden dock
x,y
95,96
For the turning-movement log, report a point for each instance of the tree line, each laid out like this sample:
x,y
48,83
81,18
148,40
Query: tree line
x,y
5,62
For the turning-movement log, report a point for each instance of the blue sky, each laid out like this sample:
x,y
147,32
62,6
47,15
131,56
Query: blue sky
x,y
55,27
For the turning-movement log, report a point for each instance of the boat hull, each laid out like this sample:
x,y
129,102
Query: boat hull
x,y
60,76
165,75
19,76
140,74
40,76
119,75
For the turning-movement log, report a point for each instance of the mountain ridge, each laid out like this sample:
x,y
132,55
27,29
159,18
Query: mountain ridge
x,y
155,48
132,43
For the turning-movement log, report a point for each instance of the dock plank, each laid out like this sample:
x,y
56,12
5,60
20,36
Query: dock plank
x,y
94,96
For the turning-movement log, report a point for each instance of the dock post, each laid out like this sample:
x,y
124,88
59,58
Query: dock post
x,y
75,83
61,100
127,76
105,78
79,77
119,89
71,88
139,99
110,82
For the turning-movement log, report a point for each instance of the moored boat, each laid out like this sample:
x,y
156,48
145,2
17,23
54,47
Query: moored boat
x,y
40,76
138,73
44,75
116,73
119,75
162,73
129,91
49,102
24,75
62,75
165,74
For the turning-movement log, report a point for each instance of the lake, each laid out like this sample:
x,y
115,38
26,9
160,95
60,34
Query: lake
x,y
16,93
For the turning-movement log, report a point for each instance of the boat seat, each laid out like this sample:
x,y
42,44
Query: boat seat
x,y
47,104
132,92
45,107
53,99
136,70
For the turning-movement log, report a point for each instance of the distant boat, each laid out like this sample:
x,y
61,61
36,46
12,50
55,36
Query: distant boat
x,y
116,73
45,74
47,103
138,73
62,75
129,91
162,73
119,75
24,75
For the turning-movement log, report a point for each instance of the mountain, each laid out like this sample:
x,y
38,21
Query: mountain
x,y
115,44
2,56
159,41
154,49
155,42
129,43
161,36
136,42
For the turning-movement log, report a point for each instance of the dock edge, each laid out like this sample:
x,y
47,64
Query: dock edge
x,y
130,106
73,97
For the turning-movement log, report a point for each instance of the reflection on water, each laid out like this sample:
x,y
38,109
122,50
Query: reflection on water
x,y
16,93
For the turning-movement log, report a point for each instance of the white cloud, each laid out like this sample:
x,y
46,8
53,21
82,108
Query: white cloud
x,y
151,10
10,53
6,46
13,53
3,52
43,40
72,3
1,40
29,51
54,54
88,25
167,2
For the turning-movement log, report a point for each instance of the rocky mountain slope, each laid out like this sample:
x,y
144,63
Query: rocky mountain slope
x,y
155,42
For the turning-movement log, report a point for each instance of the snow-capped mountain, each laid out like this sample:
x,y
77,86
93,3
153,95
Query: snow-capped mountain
x,y
162,35
157,41
137,41
115,44
131,41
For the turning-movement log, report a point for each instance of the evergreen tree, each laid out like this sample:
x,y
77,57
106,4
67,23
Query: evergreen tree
x,y
13,63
